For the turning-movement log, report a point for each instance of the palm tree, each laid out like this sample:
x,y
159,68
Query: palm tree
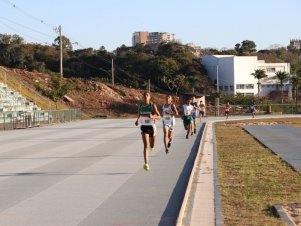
x,y
259,74
296,81
282,76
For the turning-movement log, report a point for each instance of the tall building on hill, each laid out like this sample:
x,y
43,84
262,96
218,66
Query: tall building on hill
x,y
140,37
153,39
295,43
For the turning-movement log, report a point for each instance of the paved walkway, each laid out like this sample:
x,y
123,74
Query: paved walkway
x,y
282,139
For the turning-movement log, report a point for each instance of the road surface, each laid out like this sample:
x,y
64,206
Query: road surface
x,y
91,173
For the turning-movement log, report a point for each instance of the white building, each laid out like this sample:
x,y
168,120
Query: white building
x,y
232,74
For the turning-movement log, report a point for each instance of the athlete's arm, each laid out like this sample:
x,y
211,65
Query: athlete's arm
x,y
157,113
137,121
174,109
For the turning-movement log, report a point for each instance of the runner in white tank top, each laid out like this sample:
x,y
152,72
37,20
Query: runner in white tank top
x,y
169,111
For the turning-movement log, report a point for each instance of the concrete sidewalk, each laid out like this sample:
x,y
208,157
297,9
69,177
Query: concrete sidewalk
x,y
198,207
206,208
203,205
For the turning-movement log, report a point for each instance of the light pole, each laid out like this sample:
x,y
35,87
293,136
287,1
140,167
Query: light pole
x,y
217,89
59,31
113,76
61,51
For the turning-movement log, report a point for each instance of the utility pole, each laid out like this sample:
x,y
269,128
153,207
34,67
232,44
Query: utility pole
x,y
113,79
61,50
217,90
5,78
4,74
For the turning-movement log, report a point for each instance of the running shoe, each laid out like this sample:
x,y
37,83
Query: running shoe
x,y
152,149
194,131
166,150
191,133
146,167
169,144
187,136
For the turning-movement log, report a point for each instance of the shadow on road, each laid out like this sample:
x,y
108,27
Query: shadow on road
x,y
171,212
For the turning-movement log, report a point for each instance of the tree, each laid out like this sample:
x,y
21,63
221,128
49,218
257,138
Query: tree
x,y
6,39
65,42
259,74
246,47
161,69
282,76
174,83
59,88
296,82
12,56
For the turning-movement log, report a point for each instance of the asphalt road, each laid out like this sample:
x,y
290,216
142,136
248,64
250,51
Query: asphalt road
x,y
91,173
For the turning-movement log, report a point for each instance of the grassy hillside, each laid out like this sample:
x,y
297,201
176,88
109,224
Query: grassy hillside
x,y
95,98
23,82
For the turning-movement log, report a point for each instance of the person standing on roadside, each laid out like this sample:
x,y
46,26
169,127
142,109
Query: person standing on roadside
x,y
169,111
227,109
147,115
252,107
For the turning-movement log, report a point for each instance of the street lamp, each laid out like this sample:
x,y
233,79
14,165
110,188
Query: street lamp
x,y
217,89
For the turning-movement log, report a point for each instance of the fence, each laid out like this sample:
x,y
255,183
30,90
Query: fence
x,y
260,109
23,120
132,110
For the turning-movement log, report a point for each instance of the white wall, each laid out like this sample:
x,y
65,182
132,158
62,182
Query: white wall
x,y
237,70
226,74
243,67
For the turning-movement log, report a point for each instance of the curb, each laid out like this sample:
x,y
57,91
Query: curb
x,y
219,218
283,215
188,189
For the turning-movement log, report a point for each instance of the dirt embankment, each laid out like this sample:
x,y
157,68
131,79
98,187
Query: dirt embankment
x,y
94,97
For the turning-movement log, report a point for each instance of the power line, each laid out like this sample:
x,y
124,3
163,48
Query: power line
x,y
23,34
104,58
28,14
26,27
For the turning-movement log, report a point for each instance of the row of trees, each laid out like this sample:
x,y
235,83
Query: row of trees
x,y
172,68
282,77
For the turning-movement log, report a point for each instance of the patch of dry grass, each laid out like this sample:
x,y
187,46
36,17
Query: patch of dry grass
x,y
252,178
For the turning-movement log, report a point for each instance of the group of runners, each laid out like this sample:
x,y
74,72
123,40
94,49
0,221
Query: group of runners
x,y
148,114
252,108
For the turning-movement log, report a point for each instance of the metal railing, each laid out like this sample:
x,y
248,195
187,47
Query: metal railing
x,y
23,120
260,109
132,109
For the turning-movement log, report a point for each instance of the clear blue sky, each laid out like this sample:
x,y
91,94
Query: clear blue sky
x,y
212,23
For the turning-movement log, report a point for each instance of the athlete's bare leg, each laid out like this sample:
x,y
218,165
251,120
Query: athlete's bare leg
x,y
170,135
152,141
194,125
165,130
146,139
